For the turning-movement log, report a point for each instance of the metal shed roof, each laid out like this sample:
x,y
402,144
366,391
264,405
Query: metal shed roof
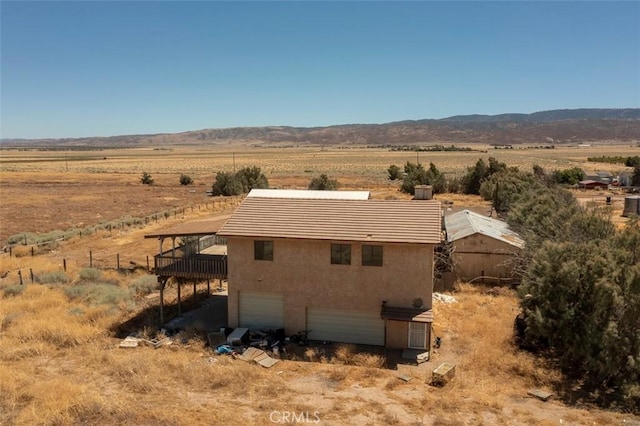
x,y
465,223
197,227
309,194
342,220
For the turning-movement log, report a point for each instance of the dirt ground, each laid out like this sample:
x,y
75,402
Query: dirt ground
x,y
71,370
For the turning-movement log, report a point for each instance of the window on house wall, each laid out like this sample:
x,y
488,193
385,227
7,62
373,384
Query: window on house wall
x,y
263,250
371,255
341,254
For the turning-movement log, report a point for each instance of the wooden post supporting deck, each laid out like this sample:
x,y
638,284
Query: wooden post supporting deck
x,y
179,302
163,282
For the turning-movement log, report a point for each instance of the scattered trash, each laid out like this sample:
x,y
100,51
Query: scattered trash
x,y
259,356
238,336
542,395
443,374
444,298
417,355
224,349
216,338
130,342
212,360
405,377
156,343
437,343
423,357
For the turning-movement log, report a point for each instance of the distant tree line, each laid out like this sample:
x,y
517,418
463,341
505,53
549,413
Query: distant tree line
x,y
627,161
443,148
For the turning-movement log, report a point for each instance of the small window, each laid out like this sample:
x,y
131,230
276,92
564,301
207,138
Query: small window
x,y
263,250
340,254
371,255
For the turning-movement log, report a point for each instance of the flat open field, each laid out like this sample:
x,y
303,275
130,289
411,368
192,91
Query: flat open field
x,y
43,191
59,356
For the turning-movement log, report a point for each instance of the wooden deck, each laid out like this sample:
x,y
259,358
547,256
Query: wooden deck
x,y
199,266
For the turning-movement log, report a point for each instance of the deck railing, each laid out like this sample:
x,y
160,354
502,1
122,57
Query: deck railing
x,y
195,267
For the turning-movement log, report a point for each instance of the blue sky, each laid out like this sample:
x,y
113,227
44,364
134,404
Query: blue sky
x,y
74,69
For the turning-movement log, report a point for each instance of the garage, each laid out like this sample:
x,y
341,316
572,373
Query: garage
x,y
360,327
261,310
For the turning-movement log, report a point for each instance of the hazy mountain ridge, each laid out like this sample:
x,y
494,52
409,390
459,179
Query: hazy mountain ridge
x,y
556,126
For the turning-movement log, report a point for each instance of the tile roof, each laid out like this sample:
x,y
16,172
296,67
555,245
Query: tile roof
x,y
465,223
344,220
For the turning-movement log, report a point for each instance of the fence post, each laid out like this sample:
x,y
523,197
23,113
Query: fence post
x,y
118,261
25,239
148,269
31,274
64,264
90,259
20,275
31,251
10,251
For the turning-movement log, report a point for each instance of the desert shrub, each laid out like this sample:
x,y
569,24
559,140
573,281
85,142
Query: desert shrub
x,y
394,172
90,274
226,184
185,180
252,177
146,179
21,251
243,181
568,176
323,183
144,284
98,294
13,290
55,277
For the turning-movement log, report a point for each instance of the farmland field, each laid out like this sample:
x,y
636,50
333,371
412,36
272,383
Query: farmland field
x,y
59,356
42,191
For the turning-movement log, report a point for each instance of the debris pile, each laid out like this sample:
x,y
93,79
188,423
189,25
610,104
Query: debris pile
x,y
444,298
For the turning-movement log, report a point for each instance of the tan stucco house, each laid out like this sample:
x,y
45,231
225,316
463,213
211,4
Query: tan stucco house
x,y
355,271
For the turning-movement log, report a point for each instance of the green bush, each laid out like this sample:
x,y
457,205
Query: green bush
x,y
323,183
144,284
185,180
13,290
146,179
55,277
90,274
243,181
98,294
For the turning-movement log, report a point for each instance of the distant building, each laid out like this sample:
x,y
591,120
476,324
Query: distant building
x,y
624,178
592,184
598,176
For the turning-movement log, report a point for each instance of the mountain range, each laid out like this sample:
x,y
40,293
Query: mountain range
x,y
544,127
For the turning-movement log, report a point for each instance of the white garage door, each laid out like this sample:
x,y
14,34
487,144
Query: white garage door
x,y
346,326
261,310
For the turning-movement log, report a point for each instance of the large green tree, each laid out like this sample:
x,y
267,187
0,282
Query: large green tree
x,y
243,181
416,174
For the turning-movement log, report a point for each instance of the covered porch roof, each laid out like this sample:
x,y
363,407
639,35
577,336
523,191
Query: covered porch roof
x,y
406,314
202,227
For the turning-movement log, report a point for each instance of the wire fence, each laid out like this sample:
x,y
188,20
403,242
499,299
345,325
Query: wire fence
x,y
49,240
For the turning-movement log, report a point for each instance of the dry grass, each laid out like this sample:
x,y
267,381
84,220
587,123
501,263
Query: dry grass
x,y
59,363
